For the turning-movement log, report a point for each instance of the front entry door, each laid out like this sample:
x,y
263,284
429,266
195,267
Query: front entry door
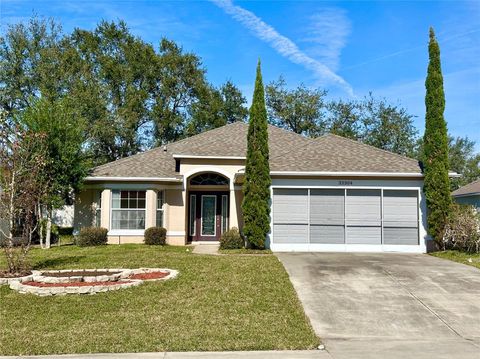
x,y
207,215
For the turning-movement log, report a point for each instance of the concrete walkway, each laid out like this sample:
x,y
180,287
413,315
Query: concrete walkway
x,y
389,305
210,248
301,354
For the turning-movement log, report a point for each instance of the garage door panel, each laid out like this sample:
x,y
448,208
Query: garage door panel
x,y
363,207
290,206
290,233
401,236
327,234
400,208
364,235
327,207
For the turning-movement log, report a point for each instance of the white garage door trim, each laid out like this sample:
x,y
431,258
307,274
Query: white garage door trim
x,y
346,247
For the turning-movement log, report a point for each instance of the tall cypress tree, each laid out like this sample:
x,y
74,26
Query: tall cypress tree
x,y
437,183
256,189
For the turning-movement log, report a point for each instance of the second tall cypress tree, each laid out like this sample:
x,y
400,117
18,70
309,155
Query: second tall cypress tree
x,y
256,189
437,184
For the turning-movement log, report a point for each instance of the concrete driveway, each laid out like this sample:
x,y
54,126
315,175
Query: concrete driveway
x,y
389,305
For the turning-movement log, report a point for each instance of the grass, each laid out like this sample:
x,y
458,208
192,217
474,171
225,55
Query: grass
x,y
245,251
460,257
216,303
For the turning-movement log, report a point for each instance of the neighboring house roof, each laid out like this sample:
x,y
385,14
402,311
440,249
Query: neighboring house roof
x,y
288,152
331,153
469,189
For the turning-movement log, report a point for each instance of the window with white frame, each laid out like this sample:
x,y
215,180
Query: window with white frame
x,y
128,209
98,208
160,203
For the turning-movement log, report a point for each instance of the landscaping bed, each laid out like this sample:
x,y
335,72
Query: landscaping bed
x,y
216,303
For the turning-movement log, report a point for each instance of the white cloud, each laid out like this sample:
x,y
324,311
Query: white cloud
x,y
282,44
328,32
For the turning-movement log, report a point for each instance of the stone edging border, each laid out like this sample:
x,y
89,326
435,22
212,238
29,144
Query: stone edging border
x,y
36,276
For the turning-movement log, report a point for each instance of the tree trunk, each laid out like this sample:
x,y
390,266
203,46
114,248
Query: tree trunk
x,y
49,229
40,228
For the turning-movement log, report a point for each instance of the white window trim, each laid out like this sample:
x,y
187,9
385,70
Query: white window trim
x,y
126,232
215,215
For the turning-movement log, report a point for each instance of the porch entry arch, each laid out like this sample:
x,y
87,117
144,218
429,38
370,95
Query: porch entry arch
x,y
208,198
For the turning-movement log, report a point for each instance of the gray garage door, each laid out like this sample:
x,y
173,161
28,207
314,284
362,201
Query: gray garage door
x,y
345,216
290,215
363,216
400,217
327,216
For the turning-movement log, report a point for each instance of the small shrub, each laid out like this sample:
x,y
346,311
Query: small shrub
x,y
232,239
462,230
92,236
155,236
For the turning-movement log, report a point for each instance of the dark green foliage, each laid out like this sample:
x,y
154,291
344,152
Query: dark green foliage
x,y
300,110
463,160
92,236
155,236
232,239
256,189
130,96
435,146
233,103
65,231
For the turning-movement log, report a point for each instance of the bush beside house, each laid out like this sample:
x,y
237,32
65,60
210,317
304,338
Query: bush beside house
x,y
92,236
232,239
155,236
462,231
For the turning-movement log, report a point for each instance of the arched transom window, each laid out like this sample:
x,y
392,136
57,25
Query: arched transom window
x,y
209,179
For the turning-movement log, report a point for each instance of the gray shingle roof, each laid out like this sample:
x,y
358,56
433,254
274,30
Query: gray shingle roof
x,y
331,153
228,140
471,188
288,152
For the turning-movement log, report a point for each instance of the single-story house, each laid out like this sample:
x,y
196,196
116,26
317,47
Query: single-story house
x,y
468,194
327,194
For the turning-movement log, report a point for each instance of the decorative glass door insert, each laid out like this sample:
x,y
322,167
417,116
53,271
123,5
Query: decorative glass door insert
x,y
208,215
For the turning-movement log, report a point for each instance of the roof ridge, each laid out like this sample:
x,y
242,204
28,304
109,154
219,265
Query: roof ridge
x,y
204,132
289,131
367,145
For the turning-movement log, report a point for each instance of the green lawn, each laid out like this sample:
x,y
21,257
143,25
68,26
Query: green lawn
x,y
229,302
460,257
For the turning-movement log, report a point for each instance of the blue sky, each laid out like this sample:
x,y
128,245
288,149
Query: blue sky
x,y
348,48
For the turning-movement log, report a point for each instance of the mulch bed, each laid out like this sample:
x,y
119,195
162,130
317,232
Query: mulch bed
x,y
72,284
79,273
147,276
